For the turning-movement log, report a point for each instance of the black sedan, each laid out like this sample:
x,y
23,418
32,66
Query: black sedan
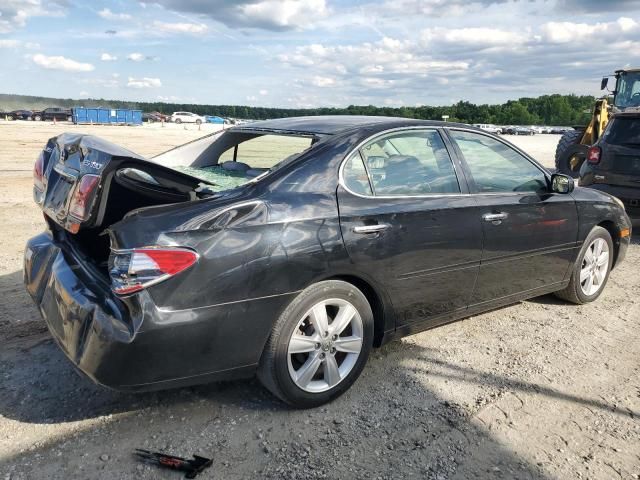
x,y
289,248
19,115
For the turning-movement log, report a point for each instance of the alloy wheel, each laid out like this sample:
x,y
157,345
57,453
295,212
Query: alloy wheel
x,y
595,264
325,345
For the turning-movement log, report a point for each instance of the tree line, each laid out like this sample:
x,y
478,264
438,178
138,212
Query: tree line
x,y
545,110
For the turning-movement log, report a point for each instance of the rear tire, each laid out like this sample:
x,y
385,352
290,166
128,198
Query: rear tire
x,y
324,364
589,277
567,142
198,122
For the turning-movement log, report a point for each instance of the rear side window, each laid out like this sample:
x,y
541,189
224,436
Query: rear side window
x,y
412,162
496,167
355,175
623,131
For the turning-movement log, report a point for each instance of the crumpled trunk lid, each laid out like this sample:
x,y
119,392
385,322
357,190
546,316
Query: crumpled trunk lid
x,y
68,157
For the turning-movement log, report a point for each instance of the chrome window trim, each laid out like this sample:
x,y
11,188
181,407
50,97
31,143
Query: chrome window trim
x,y
341,181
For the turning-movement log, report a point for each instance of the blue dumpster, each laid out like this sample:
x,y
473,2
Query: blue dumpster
x,y
107,116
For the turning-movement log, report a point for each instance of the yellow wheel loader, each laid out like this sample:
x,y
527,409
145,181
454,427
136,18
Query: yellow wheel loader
x,y
574,144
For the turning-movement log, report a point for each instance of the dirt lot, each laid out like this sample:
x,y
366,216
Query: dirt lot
x,y
541,389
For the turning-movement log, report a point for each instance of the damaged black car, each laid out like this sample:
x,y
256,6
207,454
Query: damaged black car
x,y
289,248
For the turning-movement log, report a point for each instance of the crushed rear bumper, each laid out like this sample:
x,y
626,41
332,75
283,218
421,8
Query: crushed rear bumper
x,y
130,343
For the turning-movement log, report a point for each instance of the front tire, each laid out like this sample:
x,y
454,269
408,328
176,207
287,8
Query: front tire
x,y
591,270
319,345
178,121
570,154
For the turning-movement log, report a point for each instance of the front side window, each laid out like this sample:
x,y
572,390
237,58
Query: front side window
x,y
410,163
496,167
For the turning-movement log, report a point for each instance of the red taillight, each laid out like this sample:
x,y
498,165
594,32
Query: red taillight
x,y
593,155
38,173
134,270
83,196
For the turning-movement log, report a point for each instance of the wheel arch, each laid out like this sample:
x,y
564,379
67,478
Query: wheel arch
x,y
381,312
614,231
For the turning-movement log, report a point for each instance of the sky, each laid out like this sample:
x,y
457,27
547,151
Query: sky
x,y
310,53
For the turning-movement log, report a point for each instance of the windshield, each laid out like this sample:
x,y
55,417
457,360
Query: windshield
x,y
628,90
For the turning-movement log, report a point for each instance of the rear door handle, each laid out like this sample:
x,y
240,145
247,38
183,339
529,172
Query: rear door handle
x,y
380,227
494,217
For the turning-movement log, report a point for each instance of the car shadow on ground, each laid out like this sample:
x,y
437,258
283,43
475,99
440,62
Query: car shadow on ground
x,y
390,422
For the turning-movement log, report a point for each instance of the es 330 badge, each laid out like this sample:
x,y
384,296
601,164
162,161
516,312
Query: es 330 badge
x,y
92,164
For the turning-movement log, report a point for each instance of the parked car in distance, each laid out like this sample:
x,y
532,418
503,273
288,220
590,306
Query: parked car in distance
x,y
559,130
613,163
519,130
187,117
19,115
54,113
487,127
349,236
215,119
152,117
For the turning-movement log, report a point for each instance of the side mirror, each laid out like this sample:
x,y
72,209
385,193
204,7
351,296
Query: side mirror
x,y
604,83
562,183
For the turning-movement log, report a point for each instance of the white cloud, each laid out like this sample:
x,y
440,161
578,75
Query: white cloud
x,y
251,98
15,13
83,93
9,43
567,32
479,36
61,63
284,13
319,81
107,57
387,57
145,82
264,92
107,14
189,28
135,57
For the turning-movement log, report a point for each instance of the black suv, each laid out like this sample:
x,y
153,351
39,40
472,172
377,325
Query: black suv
x,y
613,162
52,113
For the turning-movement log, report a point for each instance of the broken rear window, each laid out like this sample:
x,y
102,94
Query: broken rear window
x,y
235,157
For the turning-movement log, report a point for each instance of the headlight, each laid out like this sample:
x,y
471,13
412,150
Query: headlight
x,y
618,201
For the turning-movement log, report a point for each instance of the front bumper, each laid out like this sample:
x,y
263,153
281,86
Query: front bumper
x,y
131,343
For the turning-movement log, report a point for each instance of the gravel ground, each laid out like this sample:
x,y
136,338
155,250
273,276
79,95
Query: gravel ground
x,y
540,389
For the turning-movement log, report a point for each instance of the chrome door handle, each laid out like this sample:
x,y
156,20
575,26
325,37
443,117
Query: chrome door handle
x,y
371,228
494,217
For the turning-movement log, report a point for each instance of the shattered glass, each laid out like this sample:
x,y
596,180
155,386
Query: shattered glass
x,y
224,179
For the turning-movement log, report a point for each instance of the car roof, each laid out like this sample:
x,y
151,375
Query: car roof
x,y
333,124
